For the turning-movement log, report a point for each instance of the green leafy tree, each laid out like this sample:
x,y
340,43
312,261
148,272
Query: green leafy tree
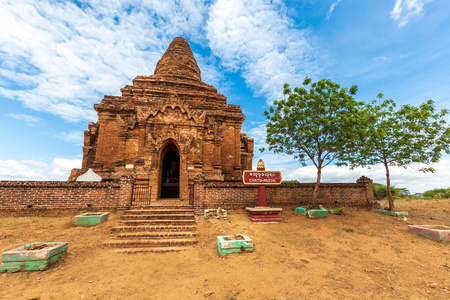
x,y
400,137
314,123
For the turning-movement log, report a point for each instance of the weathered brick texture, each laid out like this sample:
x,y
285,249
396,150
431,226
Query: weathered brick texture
x,y
30,196
236,196
35,196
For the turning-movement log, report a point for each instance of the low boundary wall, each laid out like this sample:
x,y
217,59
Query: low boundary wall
x,y
41,196
236,196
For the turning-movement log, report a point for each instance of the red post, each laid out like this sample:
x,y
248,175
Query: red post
x,y
261,188
262,196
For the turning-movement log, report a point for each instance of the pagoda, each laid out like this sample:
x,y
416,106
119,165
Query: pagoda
x,y
167,129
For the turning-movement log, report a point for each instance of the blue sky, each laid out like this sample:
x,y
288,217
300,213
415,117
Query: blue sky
x,y
58,58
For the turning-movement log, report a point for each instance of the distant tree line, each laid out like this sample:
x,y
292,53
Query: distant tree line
x,y
380,193
290,181
437,194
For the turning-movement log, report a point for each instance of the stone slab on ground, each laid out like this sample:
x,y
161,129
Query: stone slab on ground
x,y
22,259
393,213
317,213
90,218
312,213
301,210
234,243
434,232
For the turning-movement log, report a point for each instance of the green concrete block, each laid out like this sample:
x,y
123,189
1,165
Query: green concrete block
x,y
317,213
23,259
90,219
387,212
234,243
301,210
393,213
435,232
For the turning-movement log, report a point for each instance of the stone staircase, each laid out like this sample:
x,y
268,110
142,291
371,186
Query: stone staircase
x,y
154,229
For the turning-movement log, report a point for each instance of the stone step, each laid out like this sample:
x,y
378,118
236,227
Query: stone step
x,y
158,222
154,250
150,243
159,216
154,235
161,207
153,228
158,211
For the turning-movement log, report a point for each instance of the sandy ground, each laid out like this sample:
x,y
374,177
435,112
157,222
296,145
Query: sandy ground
x,y
360,255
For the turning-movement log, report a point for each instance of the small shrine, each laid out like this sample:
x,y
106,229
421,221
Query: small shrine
x,y
261,178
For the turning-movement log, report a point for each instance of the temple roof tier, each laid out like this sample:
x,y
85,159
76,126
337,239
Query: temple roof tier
x,y
178,60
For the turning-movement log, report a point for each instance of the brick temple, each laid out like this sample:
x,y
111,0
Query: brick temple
x,y
167,129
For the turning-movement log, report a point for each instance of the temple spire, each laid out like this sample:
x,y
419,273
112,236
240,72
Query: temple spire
x,y
178,60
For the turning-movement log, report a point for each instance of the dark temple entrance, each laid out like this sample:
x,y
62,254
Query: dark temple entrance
x,y
170,176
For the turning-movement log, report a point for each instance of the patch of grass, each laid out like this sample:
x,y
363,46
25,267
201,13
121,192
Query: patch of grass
x,y
337,211
233,296
14,221
347,229
397,249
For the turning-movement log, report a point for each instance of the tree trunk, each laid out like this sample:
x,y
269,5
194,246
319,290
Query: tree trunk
x,y
316,188
388,186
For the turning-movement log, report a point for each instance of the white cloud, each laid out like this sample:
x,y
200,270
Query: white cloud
x,y
61,167
381,58
259,39
58,170
210,74
13,170
406,10
332,7
72,136
35,163
258,133
61,58
405,55
29,120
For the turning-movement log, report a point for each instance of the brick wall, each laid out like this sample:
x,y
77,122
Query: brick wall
x,y
37,196
236,196
34,196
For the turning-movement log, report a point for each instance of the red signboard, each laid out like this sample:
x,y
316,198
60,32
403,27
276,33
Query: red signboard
x,y
261,177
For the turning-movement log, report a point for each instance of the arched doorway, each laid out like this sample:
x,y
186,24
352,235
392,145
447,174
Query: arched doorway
x,y
170,175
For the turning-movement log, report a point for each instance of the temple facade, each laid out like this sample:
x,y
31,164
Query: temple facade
x,y
167,129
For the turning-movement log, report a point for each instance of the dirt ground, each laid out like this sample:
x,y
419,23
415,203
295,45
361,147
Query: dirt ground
x,y
360,255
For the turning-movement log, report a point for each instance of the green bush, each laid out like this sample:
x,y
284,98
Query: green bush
x,y
437,194
429,195
380,192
